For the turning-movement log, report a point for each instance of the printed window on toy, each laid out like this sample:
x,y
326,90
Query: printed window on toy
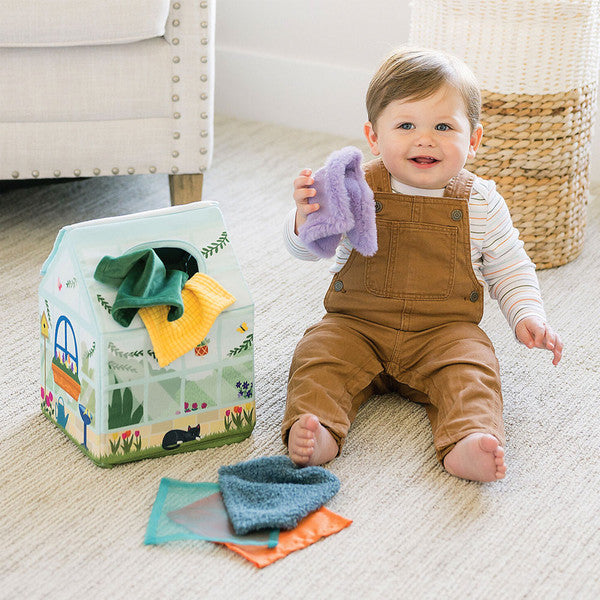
x,y
64,342
164,399
177,397
65,364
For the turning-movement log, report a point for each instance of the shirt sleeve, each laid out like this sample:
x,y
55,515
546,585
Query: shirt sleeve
x,y
506,267
298,250
292,242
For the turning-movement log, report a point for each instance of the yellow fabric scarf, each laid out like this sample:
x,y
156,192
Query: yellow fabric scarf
x,y
203,300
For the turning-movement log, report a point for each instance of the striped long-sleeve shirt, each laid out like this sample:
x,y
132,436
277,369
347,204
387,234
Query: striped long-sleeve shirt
x,y
497,253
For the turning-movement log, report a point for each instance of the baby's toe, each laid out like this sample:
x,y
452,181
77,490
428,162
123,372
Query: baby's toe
x,y
306,444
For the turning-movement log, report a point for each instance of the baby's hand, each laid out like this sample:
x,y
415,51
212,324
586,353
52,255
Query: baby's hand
x,y
302,193
534,333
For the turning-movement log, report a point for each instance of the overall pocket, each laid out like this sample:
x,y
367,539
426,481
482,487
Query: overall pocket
x,y
415,261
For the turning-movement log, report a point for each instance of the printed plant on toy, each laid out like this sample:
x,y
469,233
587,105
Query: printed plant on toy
x,y
202,348
241,416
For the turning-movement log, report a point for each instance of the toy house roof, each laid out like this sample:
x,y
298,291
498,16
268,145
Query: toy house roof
x,y
197,228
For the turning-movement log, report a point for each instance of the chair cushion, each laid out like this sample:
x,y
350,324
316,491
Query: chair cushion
x,y
31,23
86,83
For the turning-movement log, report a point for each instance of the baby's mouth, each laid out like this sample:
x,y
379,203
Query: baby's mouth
x,y
424,160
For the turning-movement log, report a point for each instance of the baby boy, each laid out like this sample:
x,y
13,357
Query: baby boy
x,y
407,319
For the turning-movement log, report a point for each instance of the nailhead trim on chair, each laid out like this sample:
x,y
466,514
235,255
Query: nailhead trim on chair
x,y
204,79
176,79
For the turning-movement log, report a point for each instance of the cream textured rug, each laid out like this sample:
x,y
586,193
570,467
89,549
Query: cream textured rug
x,y
70,529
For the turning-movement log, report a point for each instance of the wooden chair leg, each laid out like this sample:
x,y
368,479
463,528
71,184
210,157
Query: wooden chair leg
x,y
185,188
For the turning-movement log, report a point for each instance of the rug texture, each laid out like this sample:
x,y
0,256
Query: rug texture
x,y
70,529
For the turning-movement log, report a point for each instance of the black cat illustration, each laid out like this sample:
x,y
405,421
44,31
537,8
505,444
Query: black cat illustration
x,y
174,438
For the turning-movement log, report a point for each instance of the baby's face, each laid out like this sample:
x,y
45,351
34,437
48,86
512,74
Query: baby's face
x,y
424,143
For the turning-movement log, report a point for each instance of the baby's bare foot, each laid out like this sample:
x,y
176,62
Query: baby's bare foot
x,y
310,443
478,457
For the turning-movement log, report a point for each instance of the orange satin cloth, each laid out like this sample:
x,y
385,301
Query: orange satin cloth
x,y
311,529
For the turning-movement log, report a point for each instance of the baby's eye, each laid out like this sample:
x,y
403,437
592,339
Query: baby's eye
x,y
443,127
405,126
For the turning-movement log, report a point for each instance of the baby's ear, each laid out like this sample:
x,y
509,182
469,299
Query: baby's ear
x,y
372,139
475,140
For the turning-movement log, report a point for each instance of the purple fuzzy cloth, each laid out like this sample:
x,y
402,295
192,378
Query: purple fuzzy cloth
x,y
346,206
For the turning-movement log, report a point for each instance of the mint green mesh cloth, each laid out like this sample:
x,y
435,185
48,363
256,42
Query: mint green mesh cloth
x,y
195,511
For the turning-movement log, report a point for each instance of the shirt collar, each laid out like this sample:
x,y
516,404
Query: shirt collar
x,y
409,190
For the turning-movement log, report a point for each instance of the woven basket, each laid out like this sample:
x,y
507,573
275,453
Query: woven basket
x,y
537,150
537,62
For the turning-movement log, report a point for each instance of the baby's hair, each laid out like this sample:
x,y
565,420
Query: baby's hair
x,y
417,73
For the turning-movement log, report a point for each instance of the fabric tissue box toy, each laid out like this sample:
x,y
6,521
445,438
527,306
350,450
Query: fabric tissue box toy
x,y
147,335
346,207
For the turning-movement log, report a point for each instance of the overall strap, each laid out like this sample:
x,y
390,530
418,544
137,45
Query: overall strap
x,y
377,176
460,185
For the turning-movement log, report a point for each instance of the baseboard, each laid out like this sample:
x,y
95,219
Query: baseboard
x,y
301,94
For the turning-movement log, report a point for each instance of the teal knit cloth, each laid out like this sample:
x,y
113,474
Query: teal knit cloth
x,y
273,492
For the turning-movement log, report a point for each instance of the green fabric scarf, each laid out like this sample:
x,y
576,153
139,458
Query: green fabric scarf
x,y
142,279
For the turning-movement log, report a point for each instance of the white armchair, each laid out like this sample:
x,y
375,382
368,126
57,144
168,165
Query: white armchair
x,y
107,88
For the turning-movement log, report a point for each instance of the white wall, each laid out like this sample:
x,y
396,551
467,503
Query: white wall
x,y
303,63
307,63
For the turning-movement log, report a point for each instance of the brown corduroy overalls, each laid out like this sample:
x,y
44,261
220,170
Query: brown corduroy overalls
x,y
404,320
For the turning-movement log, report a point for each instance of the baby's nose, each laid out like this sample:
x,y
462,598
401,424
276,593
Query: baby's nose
x,y
425,139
